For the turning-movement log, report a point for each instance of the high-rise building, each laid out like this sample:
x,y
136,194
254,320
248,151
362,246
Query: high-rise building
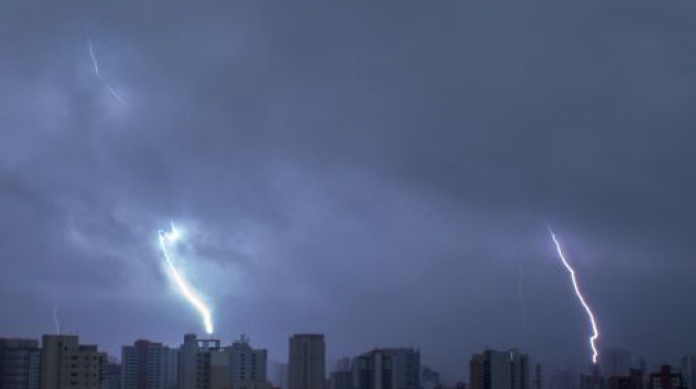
x,y
247,365
408,367
538,382
203,364
397,368
66,364
666,379
688,370
632,381
306,362
499,370
172,362
145,365
20,363
113,375
374,370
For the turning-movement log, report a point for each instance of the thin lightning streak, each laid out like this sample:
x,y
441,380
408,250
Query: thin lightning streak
x,y
56,321
595,331
95,64
191,296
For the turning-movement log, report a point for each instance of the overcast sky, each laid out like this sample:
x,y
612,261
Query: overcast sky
x,y
383,174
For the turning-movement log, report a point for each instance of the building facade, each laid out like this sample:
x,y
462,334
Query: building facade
x,y
666,378
688,370
20,364
247,365
204,364
146,365
306,361
66,364
634,380
499,370
397,368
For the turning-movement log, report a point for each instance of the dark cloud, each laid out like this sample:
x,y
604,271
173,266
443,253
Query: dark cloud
x,y
381,173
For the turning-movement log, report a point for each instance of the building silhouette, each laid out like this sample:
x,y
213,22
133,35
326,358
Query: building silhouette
x,y
688,370
247,365
665,378
66,364
396,368
146,365
306,361
204,364
634,380
499,370
20,363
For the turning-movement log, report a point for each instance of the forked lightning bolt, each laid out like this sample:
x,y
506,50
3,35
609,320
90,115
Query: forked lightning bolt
x,y
167,239
595,331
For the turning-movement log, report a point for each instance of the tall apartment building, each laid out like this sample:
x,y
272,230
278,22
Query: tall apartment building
x,y
146,365
20,363
204,364
634,380
247,365
666,379
113,376
306,361
66,364
397,368
688,370
499,370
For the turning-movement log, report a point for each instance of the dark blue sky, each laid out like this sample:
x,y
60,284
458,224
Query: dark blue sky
x,y
377,172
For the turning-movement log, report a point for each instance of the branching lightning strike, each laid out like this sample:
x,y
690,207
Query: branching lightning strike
x,y
169,238
581,298
95,64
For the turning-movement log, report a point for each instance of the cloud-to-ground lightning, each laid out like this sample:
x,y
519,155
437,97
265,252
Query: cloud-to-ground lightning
x,y
581,298
168,239
95,64
56,321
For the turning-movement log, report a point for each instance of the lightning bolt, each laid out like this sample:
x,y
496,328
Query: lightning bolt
x,y
95,64
581,298
168,239
56,321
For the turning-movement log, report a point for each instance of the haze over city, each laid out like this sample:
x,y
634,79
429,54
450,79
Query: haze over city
x,y
384,174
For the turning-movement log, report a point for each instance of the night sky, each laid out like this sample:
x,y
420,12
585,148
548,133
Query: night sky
x,y
381,173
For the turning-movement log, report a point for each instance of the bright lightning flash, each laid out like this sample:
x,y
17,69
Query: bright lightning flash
x,y
595,331
168,239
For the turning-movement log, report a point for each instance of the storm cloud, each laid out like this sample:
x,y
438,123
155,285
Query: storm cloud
x,y
382,173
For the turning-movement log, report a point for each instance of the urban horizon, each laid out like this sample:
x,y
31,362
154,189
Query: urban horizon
x,y
498,194
613,363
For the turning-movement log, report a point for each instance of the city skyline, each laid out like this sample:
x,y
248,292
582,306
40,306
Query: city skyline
x,y
384,174
617,363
